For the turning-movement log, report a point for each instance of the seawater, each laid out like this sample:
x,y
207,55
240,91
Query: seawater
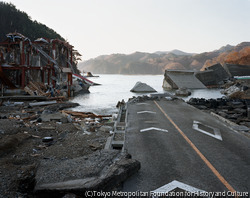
x,y
103,98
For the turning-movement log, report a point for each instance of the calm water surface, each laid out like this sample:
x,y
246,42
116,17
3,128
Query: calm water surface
x,y
103,99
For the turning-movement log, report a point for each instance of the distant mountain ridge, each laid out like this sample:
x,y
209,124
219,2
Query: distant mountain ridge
x,y
225,48
175,51
158,62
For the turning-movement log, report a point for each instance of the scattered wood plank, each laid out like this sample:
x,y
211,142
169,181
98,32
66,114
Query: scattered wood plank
x,y
36,88
35,136
42,103
29,91
84,114
23,98
48,128
58,98
30,117
35,155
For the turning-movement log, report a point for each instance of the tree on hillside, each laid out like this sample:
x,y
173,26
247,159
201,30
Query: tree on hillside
x,y
239,58
14,20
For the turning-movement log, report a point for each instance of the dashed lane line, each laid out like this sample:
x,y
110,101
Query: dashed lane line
x,y
143,112
153,128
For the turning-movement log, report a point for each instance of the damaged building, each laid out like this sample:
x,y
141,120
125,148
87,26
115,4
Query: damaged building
x,y
37,67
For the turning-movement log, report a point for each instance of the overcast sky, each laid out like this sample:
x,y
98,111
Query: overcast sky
x,y
98,27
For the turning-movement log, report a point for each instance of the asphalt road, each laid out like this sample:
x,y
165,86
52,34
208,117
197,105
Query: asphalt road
x,y
209,162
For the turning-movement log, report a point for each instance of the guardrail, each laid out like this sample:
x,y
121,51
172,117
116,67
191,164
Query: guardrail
x,y
118,137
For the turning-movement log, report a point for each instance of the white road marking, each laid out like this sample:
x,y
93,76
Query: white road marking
x,y
140,112
151,122
216,135
142,104
153,128
176,184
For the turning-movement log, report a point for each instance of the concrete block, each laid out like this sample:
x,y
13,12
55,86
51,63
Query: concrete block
x,y
117,144
59,117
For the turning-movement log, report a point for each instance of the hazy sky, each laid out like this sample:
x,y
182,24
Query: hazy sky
x,y
98,27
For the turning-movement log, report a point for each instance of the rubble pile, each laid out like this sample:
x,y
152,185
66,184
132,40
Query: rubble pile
x,y
235,110
35,133
239,89
153,96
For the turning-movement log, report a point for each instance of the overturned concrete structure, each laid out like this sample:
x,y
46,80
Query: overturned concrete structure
x,y
217,74
213,76
48,62
175,79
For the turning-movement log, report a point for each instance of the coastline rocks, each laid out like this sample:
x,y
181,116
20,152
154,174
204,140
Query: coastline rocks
x,y
78,90
238,90
230,90
183,92
144,98
142,87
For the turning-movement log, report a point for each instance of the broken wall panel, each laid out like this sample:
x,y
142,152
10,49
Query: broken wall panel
x,y
214,75
238,70
207,77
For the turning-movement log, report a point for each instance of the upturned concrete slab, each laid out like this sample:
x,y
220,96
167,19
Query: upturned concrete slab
x,y
142,87
102,170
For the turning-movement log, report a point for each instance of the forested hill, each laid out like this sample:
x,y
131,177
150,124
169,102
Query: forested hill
x,y
14,20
